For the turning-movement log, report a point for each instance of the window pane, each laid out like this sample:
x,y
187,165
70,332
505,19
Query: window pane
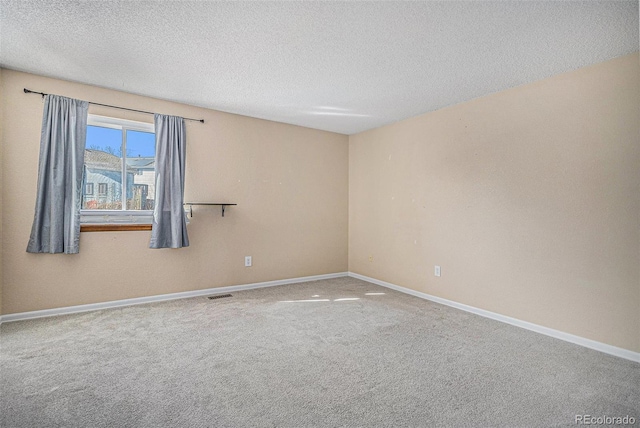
x,y
103,169
141,172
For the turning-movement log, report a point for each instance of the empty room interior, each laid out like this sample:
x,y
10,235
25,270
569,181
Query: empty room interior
x,y
398,214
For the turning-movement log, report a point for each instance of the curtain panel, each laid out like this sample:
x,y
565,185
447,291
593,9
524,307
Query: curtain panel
x,y
56,221
169,225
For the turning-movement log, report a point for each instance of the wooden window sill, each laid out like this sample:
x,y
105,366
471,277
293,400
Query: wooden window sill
x,y
113,227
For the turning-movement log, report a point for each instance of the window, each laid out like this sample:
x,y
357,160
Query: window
x,y
88,189
119,161
102,188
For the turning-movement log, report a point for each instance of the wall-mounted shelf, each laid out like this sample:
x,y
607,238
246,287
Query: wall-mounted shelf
x,y
191,204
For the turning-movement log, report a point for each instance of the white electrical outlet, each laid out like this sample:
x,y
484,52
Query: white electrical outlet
x,y
247,261
437,271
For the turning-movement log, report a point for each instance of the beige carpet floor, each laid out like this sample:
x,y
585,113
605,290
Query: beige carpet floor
x,y
331,353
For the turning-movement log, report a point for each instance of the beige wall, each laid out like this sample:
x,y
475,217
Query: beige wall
x,y
529,199
290,184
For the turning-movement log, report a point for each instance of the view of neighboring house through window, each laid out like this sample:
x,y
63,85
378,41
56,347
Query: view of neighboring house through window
x,y
119,167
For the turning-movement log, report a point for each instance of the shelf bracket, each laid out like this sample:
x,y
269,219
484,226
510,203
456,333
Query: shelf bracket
x,y
191,204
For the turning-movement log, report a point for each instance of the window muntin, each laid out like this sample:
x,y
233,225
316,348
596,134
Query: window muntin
x,y
120,171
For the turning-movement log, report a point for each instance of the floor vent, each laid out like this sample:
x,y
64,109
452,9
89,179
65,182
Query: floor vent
x,y
219,296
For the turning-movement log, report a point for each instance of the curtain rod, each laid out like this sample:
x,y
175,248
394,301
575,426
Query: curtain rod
x,y
29,91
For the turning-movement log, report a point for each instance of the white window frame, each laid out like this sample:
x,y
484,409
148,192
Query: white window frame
x,y
122,216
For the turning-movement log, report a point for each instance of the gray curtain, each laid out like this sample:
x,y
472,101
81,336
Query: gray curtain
x,y
56,222
169,226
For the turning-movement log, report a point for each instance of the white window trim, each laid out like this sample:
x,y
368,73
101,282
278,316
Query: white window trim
x,y
117,216
115,123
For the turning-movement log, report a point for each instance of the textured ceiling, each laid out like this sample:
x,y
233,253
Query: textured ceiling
x,y
338,66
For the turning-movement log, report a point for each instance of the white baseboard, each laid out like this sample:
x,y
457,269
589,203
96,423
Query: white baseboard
x,y
161,297
587,343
